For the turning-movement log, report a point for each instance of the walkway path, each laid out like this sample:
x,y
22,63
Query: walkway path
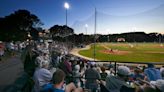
x,y
10,70
75,52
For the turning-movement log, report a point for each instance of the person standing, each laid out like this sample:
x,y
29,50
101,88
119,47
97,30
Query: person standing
x,y
92,76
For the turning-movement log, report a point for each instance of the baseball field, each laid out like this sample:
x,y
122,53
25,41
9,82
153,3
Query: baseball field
x,y
130,52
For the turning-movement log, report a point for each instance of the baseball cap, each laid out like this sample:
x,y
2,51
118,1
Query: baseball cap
x,y
77,67
123,70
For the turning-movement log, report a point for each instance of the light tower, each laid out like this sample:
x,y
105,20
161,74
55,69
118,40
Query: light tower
x,y
66,6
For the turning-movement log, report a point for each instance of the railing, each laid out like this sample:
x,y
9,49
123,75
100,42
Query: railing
x,y
126,62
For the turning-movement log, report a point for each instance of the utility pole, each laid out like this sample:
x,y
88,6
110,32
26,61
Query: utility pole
x,y
94,52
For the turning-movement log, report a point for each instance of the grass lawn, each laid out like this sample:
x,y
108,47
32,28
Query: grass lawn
x,y
135,52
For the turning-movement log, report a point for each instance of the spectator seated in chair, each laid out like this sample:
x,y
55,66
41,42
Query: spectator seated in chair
x,y
152,74
58,84
115,83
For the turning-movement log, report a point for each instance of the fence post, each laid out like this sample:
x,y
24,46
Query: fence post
x,y
115,64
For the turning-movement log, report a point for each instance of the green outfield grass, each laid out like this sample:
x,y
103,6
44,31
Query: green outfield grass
x,y
140,52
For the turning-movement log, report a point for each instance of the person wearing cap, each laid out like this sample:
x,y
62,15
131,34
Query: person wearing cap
x,y
42,76
114,83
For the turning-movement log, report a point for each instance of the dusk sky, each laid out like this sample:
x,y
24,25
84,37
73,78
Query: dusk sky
x,y
121,15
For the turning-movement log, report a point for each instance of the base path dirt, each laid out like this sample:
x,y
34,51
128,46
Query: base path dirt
x,y
75,52
115,52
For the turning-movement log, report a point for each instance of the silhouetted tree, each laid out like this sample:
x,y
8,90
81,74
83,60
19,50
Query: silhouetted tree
x,y
61,31
17,25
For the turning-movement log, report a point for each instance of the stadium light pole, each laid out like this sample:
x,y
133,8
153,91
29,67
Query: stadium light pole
x,y
86,26
94,52
66,6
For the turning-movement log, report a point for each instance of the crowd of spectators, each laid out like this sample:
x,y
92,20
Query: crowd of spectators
x,y
53,69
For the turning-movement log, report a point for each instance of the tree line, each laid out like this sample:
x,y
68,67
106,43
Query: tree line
x,y
22,25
